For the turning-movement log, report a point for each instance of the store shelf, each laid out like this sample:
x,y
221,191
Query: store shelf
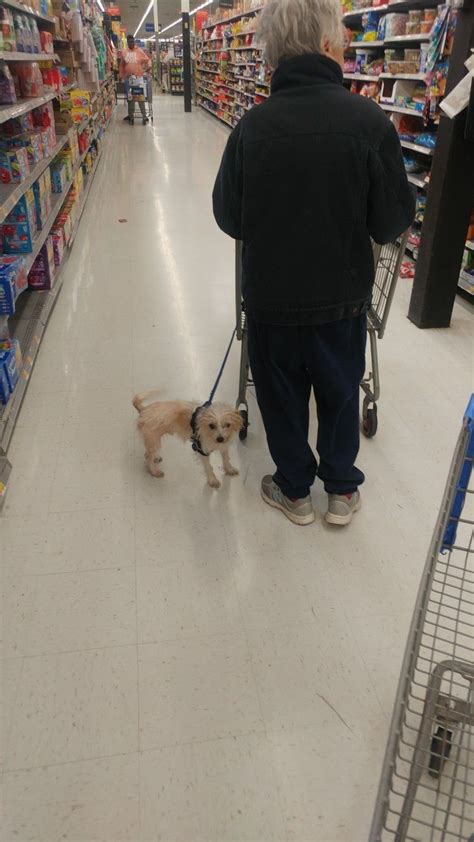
x,y
400,110
408,39
357,13
417,77
29,324
11,193
19,7
466,282
5,55
361,77
5,470
234,18
364,44
417,180
9,112
416,147
470,244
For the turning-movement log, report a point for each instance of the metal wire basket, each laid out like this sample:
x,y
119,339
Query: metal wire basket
x,y
426,791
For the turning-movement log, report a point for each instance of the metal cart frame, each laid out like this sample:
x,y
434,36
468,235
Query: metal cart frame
x,y
388,260
141,93
426,790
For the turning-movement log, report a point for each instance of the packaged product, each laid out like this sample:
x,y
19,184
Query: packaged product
x,y
12,281
52,79
20,34
47,42
395,24
31,80
81,99
5,390
5,171
57,238
9,367
426,27
79,115
41,275
35,36
7,29
58,177
25,211
7,85
413,27
427,139
17,164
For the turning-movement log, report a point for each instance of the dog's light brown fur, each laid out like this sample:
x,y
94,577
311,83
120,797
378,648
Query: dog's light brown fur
x,y
216,427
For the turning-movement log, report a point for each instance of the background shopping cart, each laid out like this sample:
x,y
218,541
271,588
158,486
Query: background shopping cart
x,y
426,790
140,89
388,260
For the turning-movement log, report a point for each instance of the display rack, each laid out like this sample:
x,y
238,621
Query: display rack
x,y
33,307
231,72
175,69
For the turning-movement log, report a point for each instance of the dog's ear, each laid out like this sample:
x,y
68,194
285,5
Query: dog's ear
x,y
235,420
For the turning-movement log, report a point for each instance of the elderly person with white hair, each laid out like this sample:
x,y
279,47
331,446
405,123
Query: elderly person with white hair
x,y
306,180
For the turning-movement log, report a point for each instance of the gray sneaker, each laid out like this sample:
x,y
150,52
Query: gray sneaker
x,y
298,511
342,508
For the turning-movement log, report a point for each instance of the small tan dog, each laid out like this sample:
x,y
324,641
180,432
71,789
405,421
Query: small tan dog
x,y
215,427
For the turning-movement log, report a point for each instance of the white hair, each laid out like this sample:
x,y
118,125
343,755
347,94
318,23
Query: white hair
x,y
289,28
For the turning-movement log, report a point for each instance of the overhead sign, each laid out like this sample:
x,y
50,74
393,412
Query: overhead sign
x,y
149,27
113,11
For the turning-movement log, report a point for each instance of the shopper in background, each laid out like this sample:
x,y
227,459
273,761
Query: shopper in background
x,y
306,179
133,62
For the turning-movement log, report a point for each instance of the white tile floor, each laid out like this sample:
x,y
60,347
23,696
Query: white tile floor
x,y
183,664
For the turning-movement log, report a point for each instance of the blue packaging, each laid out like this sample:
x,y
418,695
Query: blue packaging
x,y
5,390
7,296
9,367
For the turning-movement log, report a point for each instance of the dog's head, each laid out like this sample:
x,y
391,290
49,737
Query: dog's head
x,y
217,425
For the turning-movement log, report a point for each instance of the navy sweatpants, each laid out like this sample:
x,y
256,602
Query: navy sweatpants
x,y
286,363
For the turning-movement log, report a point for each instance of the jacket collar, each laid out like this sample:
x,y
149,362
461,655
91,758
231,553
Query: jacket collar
x,y
310,69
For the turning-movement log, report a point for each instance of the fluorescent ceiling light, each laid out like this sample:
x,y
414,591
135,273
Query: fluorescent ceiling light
x,y
100,6
177,21
149,8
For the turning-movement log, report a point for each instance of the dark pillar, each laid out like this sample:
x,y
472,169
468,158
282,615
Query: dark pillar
x,y
186,56
450,201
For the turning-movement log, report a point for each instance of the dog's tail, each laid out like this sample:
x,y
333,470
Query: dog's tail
x,y
140,401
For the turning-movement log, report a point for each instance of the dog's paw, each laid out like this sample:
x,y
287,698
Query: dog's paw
x,y
214,482
231,471
156,472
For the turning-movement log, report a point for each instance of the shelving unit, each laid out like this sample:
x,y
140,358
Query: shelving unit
x,y
237,81
33,307
5,55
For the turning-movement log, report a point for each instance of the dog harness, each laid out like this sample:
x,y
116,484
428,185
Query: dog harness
x,y
195,440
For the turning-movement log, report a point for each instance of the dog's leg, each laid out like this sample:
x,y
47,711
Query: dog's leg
x,y
152,455
228,467
211,477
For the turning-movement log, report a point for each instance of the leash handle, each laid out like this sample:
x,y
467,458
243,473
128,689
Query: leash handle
x,y
221,370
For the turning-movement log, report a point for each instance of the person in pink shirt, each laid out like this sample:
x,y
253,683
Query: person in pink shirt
x,y
133,62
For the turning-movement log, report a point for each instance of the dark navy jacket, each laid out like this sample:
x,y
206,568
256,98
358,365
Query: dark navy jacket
x,y
306,179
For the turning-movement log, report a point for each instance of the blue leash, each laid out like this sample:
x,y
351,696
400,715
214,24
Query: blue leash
x,y
195,440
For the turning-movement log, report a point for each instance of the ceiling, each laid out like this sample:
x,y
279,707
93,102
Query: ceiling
x,y
132,12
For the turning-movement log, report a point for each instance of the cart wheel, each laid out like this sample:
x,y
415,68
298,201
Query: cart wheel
x,y
440,750
369,421
245,418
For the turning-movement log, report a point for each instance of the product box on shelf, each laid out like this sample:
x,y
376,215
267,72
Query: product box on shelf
x,y
5,390
13,280
14,166
9,367
20,226
57,237
41,275
42,192
58,177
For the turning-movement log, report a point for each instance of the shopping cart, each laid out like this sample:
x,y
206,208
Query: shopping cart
x,y
388,260
140,89
427,785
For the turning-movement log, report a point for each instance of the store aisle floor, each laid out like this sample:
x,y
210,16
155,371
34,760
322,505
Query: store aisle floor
x,y
182,663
